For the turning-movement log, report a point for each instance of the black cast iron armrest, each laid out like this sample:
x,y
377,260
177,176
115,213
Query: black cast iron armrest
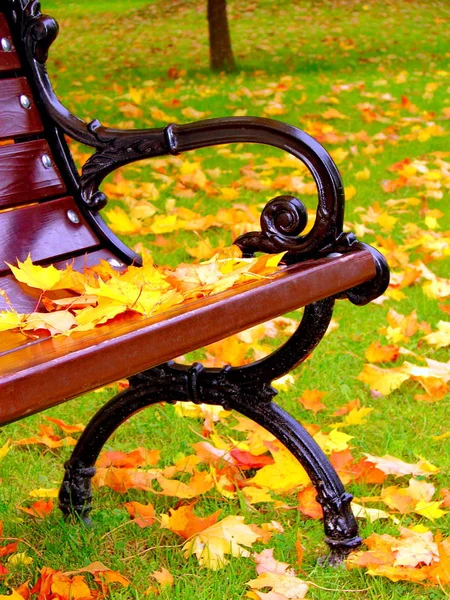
x,y
283,219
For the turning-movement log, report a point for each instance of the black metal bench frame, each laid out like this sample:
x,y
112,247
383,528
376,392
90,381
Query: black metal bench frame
x,y
246,389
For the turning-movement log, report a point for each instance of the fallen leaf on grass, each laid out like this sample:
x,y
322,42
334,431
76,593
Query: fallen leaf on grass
x,y
142,514
227,537
184,522
278,576
413,556
311,400
39,509
395,466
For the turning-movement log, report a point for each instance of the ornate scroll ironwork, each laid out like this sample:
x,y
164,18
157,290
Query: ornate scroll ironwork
x,y
245,389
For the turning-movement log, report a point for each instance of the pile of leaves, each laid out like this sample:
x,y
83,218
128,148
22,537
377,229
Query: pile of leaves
x,y
74,301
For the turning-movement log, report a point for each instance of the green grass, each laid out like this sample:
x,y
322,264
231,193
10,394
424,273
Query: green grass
x,y
376,49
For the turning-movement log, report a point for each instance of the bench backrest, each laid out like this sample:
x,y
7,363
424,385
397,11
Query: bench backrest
x,y
39,214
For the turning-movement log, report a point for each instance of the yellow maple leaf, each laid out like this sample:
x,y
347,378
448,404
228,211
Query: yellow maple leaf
x,y
10,320
285,474
381,380
230,536
441,337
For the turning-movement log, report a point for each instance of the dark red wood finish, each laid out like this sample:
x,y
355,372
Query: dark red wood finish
x,y
23,176
45,231
8,60
50,371
15,120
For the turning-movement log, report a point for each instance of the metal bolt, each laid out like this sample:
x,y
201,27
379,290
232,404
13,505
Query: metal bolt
x,y
115,263
6,45
25,102
46,161
73,217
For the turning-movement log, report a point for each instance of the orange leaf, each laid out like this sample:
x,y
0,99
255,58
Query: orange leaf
x,y
377,353
136,458
143,515
163,577
308,504
39,509
311,400
65,427
183,521
9,549
199,483
121,480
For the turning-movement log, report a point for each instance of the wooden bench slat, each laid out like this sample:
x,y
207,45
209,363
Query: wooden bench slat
x,y
8,60
23,175
43,374
15,120
44,230
24,299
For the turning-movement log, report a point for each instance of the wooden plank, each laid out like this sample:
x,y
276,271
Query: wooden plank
x,y
51,371
24,177
24,299
9,59
44,231
15,120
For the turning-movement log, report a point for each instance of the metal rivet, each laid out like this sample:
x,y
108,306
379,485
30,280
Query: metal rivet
x,y
46,161
115,263
6,45
73,217
25,101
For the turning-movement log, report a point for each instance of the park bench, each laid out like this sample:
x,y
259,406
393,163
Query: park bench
x,y
50,211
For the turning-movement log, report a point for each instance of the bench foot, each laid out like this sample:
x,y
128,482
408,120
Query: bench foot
x,y
245,389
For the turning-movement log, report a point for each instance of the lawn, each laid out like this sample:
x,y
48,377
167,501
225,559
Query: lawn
x,y
370,81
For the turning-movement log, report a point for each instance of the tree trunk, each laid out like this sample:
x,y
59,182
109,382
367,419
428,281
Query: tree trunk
x,y
220,51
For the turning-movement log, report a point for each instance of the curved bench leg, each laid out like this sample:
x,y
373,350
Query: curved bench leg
x,y
340,525
171,383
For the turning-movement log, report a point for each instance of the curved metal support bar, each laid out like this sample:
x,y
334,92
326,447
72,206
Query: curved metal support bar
x,y
170,383
293,352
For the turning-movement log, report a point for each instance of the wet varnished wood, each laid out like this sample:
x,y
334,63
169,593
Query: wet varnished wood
x,y
44,373
8,60
14,119
23,176
44,231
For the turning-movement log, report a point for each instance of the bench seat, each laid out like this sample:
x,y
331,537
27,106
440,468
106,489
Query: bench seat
x,y
37,374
